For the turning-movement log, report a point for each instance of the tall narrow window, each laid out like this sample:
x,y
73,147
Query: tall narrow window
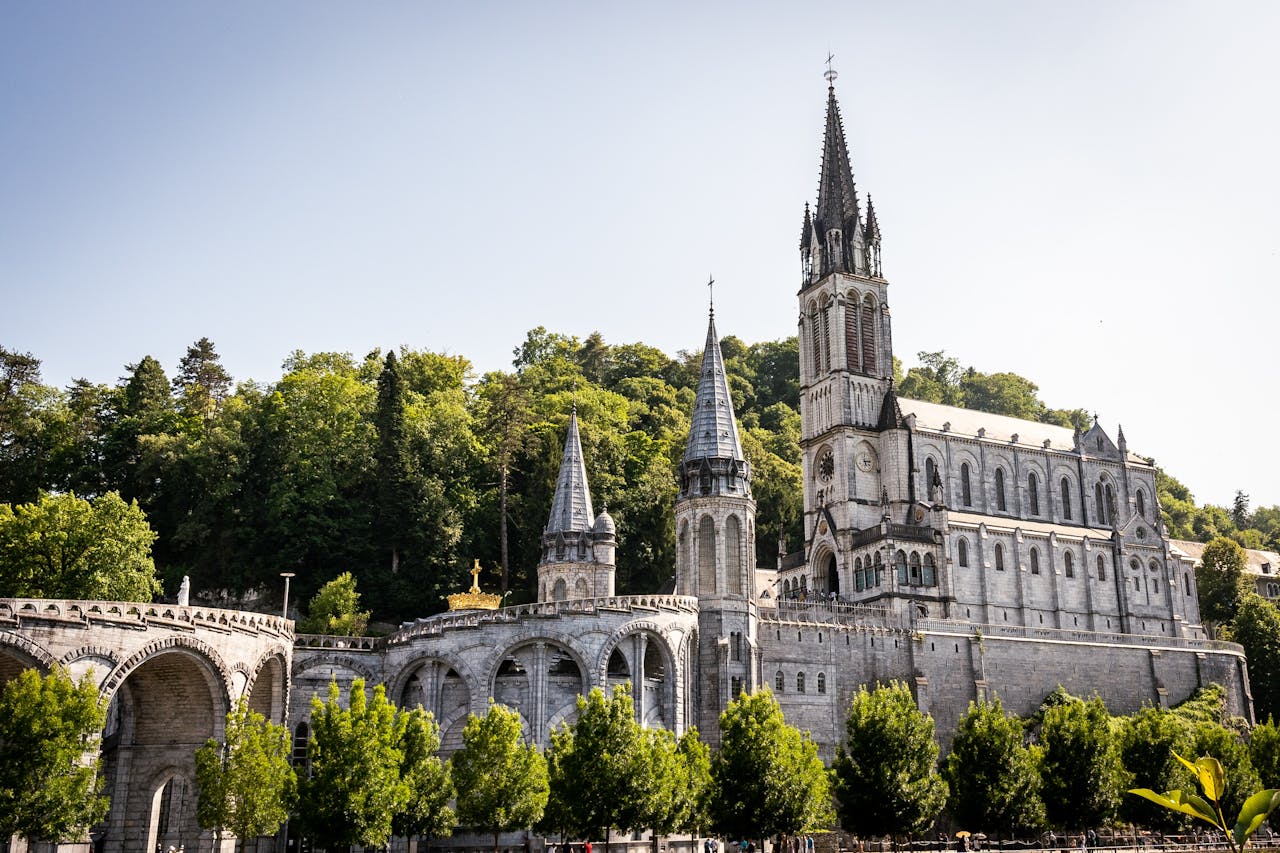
x,y
930,571
879,566
900,566
779,681
915,568
962,553
822,682
1000,504
965,492
852,351
857,575
815,340
1069,564
1142,503
930,474
1065,487
999,557
1111,506
706,556
799,682
826,335
1102,568
1035,561
733,556
869,361
1033,491
1100,508
1186,582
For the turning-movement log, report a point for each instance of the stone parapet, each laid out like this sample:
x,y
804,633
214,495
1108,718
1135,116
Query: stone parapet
x,y
17,611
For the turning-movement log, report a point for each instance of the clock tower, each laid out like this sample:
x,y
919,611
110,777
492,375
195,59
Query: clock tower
x,y
855,445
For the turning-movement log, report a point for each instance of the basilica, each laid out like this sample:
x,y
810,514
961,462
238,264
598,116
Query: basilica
x,y
967,554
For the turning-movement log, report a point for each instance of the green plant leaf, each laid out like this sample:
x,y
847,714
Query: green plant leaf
x,y
1209,774
1180,801
1254,811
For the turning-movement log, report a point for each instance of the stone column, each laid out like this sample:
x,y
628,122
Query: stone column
x,y
537,694
639,642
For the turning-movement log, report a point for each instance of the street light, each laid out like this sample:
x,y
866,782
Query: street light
x,y
286,576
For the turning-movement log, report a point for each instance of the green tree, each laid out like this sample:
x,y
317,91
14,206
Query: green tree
x,y
887,780
1230,750
995,786
767,777
1264,752
501,782
1149,743
602,772
504,422
397,499
47,725
334,611
355,787
427,812
65,547
1256,626
25,440
246,785
1220,582
202,383
695,795
1081,770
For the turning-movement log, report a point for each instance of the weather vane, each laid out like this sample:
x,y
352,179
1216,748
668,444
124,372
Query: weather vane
x,y
831,75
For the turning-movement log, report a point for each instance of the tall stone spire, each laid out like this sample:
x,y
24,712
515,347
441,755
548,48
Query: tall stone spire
x,y
571,507
713,457
837,193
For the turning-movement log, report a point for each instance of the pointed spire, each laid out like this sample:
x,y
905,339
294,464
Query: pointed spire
x,y
837,193
571,507
713,433
806,230
873,226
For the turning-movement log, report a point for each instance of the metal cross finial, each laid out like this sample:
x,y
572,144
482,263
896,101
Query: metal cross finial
x,y
711,290
831,74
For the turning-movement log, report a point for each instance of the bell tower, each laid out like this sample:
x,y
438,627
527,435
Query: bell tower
x,y
854,450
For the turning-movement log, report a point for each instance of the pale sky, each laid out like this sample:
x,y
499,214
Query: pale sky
x,y
1083,193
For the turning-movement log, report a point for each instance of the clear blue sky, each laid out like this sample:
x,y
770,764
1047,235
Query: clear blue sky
x,y
1084,193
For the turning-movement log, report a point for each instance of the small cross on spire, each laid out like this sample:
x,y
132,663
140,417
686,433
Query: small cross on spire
x,y
830,74
711,292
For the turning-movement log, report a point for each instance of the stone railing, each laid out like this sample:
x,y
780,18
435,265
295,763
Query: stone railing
x,y
1071,635
328,641
435,625
14,611
832,613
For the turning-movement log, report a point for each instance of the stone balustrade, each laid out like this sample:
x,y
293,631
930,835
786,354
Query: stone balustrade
x,y
15,611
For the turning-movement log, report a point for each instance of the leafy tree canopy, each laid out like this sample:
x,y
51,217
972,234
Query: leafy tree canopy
x,y
995,786
501,781
334,610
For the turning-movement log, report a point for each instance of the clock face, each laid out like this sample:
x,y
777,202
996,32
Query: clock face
x,y
864,460
826,466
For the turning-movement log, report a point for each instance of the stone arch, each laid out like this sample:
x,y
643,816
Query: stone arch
x,y
559,590
268,687
557,669
658,672
330,660
443,687
170,808
580,588
18,653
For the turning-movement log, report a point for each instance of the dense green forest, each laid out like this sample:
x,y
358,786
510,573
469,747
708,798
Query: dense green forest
x,y
395,466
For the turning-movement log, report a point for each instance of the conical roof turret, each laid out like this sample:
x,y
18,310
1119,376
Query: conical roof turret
x,y
713,432
571,508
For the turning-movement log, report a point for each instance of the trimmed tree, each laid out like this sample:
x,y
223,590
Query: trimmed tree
x,y
994,783
427,811
355,788
1081,773
767,777
887,780
246,785
47,725
501,781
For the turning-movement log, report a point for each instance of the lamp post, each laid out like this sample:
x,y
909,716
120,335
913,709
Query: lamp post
x,y
286,576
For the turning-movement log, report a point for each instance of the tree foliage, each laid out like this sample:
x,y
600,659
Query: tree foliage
x,y
886,774
334,610
48,792
767,778
1220,583
1148,742
995,784
1256,626
1081,768
355,788
65,547
427,811
501,781
245,785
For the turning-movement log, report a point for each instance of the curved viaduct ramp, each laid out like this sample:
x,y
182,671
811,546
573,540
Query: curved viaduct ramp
x,y
171,674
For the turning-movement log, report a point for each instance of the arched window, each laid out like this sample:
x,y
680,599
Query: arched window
x,y
1111,505
1035,561
1033,492
1137,584
966,493
1100,508
1142,503
1065,488
815,339
822,682
706,556
852,352
962,553
1102,568
900,565
857,575
301,740
879,566
799,682
930,474
999,557
1186,582
779,681
1000,504
826,335
733,556
915,568
1069,564
930,577
869,361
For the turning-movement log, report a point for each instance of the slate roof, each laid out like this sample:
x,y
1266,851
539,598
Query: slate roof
x,y
571,507
1254,559
713,433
